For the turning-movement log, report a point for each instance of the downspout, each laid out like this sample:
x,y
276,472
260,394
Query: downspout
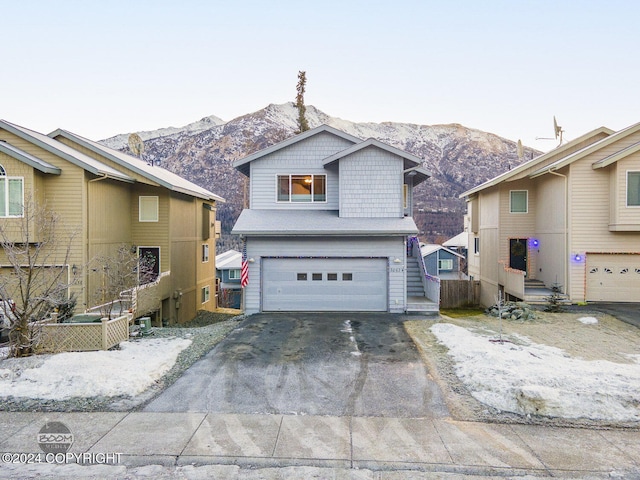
x,y
566,228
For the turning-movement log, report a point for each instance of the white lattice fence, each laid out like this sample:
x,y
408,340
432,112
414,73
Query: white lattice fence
x,y
82,337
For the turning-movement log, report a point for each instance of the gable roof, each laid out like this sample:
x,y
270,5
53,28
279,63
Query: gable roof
x,y
242,164
159,175
61,150
231,259
429,248
625,152
460,240
29,159
538,160
411,162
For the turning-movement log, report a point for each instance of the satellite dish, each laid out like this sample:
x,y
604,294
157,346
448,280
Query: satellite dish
x,y
520,150
557,130
136,144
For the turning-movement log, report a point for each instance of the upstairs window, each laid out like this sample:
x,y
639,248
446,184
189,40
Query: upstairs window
x,y
633,189
205,252
518,201
302,188
11,195
234,274
148,211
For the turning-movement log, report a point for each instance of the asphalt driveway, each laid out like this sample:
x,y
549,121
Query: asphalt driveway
x,y
310,363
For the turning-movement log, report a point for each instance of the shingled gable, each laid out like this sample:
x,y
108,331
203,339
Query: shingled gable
x,y
243,164
156,174
73,156
411,162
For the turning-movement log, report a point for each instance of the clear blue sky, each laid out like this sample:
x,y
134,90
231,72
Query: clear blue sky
x,y
507,67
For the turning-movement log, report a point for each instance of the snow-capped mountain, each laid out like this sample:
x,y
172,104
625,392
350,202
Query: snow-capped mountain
x,y
458,157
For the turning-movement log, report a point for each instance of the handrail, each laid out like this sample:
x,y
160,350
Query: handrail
x,y
431,283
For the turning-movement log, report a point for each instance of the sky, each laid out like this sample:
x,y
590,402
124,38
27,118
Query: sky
x,y
502,66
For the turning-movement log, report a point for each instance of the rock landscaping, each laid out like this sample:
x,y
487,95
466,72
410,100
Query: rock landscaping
x,y
512,311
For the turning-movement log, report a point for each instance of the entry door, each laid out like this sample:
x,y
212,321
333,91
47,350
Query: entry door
x,y
518,253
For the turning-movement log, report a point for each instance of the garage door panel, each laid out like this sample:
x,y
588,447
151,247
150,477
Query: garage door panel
x,y
327,284
613,277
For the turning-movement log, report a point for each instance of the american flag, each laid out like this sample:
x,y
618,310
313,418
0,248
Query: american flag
x,y
244,271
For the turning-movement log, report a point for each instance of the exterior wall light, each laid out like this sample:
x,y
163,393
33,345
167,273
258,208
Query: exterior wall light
x,y
397,260
251,260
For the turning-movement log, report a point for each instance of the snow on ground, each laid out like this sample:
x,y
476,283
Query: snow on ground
x,y
588,320
128,371
523,377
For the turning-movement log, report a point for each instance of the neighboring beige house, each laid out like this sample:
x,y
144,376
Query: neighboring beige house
x,y
112,199
569,217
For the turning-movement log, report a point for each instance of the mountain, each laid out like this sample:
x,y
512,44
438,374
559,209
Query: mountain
x,y
458,157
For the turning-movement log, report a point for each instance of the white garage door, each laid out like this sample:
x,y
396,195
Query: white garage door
x,y
613,277
324,284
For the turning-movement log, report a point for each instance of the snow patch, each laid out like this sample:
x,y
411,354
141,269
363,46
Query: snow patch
x,y
529,378
588,320
128,371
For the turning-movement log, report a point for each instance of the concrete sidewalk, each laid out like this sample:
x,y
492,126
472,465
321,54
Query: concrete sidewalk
x,y
373,443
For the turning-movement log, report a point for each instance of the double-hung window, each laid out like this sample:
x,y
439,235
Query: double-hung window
x,y
302,188
633,189
11,195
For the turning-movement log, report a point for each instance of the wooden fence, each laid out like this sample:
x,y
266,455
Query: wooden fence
x,y
459,293
81,337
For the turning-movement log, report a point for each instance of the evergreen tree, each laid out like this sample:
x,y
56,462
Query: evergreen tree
x,y
303,125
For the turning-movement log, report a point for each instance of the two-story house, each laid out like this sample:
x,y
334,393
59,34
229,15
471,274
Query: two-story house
x,y
569,217
112,199
328,224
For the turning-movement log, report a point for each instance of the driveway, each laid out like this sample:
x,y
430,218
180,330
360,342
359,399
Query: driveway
x,y
310,363
627,312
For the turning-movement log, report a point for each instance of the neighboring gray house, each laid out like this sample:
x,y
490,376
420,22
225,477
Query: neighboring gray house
x,y
228,265
442,262
329,227
459,243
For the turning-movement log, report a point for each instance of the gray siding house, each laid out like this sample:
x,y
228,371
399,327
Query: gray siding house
x,y
228,265
329,226
442,262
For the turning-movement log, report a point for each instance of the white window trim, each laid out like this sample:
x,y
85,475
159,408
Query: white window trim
x,y
205,253
312,175
476,245
206,292
626,190
235,276
447,261
6,178
157,213
526,210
